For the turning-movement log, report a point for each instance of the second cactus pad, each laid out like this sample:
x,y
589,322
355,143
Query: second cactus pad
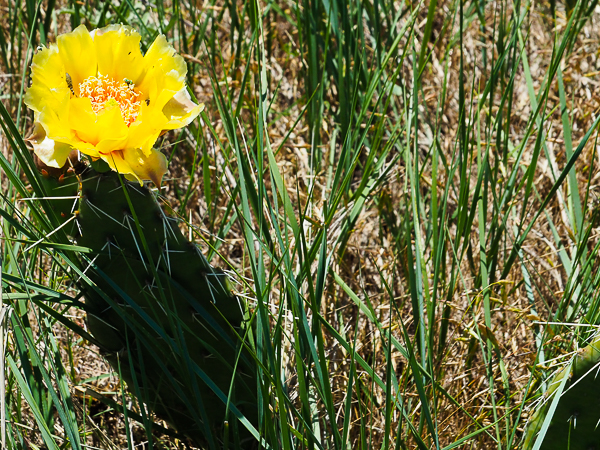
x,y
167,321
575,424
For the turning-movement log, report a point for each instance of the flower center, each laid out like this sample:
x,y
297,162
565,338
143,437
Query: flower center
x,y
104,92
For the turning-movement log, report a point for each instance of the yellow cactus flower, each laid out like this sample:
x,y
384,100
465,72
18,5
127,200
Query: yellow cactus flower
x,y
94,91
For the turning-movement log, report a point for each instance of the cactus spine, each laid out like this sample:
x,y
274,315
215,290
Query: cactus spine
x,y
166,319
576,420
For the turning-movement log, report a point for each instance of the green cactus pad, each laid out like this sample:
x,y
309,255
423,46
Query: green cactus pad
x,y
61,192
575,424
166,319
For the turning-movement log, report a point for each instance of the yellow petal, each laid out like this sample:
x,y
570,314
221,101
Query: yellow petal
x,y
118,52
82,119
112,131
117,163
61,131
54,120
49,93
106,130
144,132
49,87
38,97
181,110
78,54
164,73
85,147
151,167
51,153
133,162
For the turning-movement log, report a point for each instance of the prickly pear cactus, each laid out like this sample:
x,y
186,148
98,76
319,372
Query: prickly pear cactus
x,y
167,321
575,423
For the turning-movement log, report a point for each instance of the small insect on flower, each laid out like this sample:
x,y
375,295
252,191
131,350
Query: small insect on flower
x,y
95,92
69,83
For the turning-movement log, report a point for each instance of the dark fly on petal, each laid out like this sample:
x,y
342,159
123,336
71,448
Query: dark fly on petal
x,y
69,83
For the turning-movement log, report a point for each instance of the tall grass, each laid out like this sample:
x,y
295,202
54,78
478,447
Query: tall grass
x,y
401,190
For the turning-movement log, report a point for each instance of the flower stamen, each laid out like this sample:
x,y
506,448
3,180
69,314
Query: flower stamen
x,y
106,92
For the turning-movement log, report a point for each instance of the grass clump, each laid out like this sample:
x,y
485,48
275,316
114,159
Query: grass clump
x,y
404,193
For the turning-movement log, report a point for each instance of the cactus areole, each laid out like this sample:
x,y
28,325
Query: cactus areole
x,y
576,419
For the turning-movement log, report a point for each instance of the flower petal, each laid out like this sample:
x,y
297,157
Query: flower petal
x,y
118,50
117,163
151,167
112,131
78,54
60,130
82,119
54,120
164,73
181,110
144,132
49,87
49,93
106,130
86,148
133,162
51,153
